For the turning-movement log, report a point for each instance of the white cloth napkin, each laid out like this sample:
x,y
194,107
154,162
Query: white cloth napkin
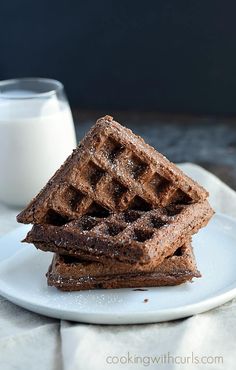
x,y
31,341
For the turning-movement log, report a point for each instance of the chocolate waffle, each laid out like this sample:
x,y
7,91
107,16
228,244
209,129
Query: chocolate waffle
x,y
130,236
112,170
68,273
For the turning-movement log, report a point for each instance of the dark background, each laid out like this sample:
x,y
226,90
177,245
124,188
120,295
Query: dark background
x,y
166,69
170,56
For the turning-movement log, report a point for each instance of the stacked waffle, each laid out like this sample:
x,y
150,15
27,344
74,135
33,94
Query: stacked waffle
x,y
117,214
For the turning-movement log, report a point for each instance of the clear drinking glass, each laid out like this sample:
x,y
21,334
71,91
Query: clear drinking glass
x,y
36,135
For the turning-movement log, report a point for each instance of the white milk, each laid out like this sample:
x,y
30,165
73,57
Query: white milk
x,y
36,136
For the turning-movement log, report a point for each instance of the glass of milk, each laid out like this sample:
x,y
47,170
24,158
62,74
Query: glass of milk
x,y
36,136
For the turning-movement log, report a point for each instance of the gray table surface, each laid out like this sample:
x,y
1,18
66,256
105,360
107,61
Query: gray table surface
x,y
207,141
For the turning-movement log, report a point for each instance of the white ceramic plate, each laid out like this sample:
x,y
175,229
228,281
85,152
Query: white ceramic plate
x,y
22,281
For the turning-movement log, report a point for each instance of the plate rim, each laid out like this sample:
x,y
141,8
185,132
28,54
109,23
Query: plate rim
x,y
164,314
